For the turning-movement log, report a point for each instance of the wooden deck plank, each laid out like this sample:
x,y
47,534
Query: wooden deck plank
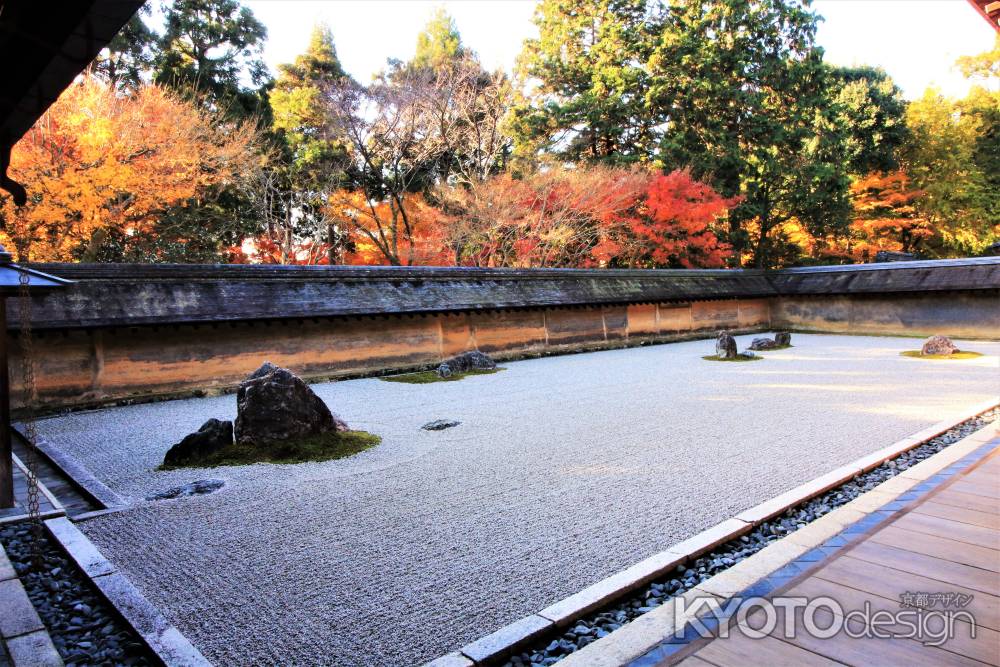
x,y
891,584
939,547
948,528
962,515
694,661
938,569
978,488
958,499
961,649
767,651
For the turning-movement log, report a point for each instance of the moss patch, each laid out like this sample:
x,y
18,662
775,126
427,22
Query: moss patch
x,y
739,357
961,354
320,447
427,377
774,349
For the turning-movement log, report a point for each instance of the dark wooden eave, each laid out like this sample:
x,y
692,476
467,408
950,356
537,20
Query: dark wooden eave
x,y
989,10
43,47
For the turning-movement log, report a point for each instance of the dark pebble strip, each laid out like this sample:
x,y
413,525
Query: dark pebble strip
x,y
84,628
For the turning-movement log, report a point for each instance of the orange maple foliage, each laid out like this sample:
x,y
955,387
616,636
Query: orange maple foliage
x,y
99,159
885,216
381,235
588,217
677,221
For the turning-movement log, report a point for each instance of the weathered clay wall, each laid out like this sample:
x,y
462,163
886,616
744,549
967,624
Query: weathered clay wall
x,y
122,332
90,366
959,314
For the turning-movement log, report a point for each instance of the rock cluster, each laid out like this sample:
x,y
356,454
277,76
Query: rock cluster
x,y
781,339
272,405
467,361
725,345
211,437
440,424
197,488
938,345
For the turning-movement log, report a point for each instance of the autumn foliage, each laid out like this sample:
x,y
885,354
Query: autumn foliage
x,y
886,216
99,161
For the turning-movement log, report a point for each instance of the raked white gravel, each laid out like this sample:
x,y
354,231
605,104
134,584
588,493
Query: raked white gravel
x,y
563,471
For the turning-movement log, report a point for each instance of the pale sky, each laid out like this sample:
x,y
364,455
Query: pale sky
x,y
916,41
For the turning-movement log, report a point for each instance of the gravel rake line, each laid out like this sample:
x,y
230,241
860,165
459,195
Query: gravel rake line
x,y
600,623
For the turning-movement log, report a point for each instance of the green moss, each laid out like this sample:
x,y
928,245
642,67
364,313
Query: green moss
x,y
319,447
739,357
772,349
427,377
962,354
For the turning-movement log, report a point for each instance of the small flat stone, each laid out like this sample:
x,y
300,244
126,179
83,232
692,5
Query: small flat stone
x,y
440,424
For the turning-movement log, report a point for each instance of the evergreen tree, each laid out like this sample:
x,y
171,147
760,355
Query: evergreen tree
x,y
872,112
128,59
439,43
743,93
296,101
311,158
589,82
212,47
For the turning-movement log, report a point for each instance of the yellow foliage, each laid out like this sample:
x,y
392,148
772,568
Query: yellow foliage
x,y
99,159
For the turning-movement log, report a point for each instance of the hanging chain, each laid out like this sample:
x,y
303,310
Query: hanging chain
x,y
30,434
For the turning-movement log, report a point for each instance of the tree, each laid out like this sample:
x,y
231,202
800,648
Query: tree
x,y
105,168
127,61
742,91
404,135
872,114
677,222
307,168
439,44
886,216
585,217
587,83
984,65
941,160
209,47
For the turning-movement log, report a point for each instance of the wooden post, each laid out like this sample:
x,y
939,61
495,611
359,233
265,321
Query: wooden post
x,y
6,451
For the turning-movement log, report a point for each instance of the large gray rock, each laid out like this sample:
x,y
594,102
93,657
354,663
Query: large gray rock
x,y
938,345
763,344
211,437
725,345
273,404
783,338
467,361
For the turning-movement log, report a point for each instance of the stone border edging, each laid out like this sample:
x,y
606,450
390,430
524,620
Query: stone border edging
x,y
165,641
497,646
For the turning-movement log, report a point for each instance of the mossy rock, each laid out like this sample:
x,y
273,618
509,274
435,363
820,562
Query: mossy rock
x,y
961,354
319,447
427,377
737,358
